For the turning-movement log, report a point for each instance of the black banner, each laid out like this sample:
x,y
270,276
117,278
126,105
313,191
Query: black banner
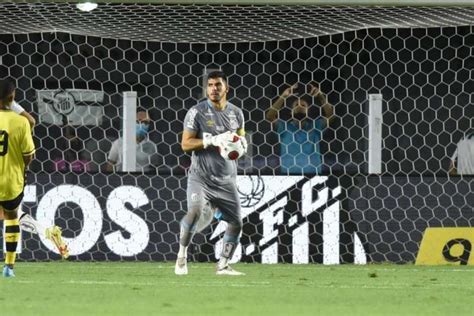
x,y
291,219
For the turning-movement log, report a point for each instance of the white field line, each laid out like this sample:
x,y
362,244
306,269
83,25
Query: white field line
x,y
363,268
100,266
151,284
191,265
225,283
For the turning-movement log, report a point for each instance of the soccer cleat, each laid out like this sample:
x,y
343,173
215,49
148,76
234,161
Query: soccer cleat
x,y
55,235
227,270
8,272
181,267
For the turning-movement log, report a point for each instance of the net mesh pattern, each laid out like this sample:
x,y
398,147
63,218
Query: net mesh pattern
x,y
419,59
220,23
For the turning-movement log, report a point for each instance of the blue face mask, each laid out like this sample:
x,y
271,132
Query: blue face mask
x,y
141,129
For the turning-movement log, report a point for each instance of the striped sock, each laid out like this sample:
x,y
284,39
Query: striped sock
x,y
11,236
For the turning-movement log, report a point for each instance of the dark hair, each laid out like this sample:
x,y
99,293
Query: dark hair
x,y
6,89
217,74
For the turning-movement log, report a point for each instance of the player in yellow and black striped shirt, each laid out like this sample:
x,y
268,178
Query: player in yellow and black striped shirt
x,y
27,222
16,152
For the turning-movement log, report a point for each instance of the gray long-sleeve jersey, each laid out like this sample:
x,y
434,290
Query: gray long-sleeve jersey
x,y
204,118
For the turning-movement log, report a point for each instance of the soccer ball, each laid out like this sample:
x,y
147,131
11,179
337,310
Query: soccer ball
x,y
233,149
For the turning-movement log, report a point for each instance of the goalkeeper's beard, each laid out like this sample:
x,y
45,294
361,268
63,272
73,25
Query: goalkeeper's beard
x,y
217,98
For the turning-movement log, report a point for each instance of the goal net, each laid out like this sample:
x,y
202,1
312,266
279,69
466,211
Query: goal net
x,y
307,194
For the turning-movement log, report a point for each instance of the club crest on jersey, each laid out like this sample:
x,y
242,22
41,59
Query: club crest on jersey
x,y
195,197
210,123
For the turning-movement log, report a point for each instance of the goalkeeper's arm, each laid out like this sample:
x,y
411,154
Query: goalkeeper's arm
x,y
190,142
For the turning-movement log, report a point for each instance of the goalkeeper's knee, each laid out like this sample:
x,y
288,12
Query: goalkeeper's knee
x,y
234,228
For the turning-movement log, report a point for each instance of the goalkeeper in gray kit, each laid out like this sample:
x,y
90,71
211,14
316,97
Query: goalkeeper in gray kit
x,y
212,179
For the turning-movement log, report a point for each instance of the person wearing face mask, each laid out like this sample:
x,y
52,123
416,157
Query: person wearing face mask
x,y
299,136
146,149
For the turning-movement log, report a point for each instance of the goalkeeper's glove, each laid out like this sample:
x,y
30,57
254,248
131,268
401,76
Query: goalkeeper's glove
x,y
216,141
244,143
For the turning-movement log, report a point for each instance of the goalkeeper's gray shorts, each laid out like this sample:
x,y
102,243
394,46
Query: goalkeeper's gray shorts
x,y
222,194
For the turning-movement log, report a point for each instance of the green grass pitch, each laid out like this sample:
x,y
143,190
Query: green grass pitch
x,y
132,289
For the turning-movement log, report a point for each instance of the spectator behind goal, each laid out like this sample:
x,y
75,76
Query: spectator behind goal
x,y
462,162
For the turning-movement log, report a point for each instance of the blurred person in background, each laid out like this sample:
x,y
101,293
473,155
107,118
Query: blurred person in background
x,y
462,161
72,154
147,152
300,134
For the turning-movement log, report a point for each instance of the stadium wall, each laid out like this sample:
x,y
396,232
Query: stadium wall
x,y
292,219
